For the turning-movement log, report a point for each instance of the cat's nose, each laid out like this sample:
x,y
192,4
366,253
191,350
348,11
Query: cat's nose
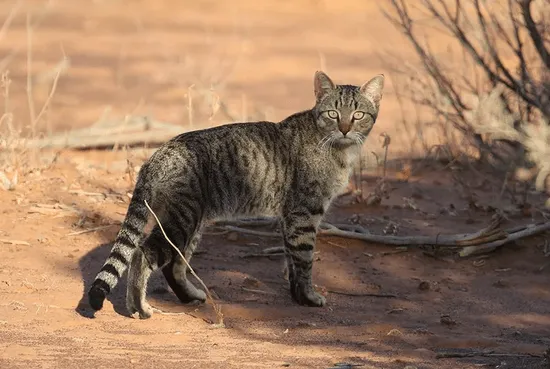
x,y
344,128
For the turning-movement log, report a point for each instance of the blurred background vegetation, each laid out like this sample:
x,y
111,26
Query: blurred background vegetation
x,y
468,79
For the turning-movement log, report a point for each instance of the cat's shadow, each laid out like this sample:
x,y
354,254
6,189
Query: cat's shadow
x,y
91,263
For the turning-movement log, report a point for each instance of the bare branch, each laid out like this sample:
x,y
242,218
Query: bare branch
x,y
509,81
490,43
536,37
404,23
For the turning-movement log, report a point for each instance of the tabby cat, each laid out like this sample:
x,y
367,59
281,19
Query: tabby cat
x,y
291,170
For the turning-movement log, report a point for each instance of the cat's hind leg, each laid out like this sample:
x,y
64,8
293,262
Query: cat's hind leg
x,y
145,261
176,275
156,252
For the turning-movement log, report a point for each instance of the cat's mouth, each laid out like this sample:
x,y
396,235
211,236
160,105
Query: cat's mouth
x,y
347,141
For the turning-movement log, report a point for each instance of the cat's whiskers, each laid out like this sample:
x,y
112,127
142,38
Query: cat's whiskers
x,y
360,137
331,144
333,140
323,141
327,143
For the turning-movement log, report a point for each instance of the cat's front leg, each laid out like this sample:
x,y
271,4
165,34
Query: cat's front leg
x,y
299,232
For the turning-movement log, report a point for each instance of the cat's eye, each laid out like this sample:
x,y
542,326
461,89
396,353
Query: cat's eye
x,y
358,115
332,114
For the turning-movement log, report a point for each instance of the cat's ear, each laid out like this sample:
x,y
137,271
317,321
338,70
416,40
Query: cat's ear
x,y
372,89
323,84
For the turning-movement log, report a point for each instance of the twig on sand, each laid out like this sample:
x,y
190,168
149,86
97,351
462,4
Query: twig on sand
x,y
217,308
471,353
263,254
252,232
383,295
267,252
14,242
262,292
95,229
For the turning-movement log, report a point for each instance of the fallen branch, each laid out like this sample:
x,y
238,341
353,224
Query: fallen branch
x,y
482,241
135,131
488,234
527,231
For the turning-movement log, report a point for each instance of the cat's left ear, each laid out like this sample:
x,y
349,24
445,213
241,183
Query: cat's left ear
x,y
323,84
372,89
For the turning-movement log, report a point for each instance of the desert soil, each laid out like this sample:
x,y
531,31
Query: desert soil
x,y
141,57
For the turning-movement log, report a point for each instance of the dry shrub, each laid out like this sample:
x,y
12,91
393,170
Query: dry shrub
x,y
488,92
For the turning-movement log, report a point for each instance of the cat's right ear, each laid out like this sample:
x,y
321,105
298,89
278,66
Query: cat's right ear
x,y
372,90
323,84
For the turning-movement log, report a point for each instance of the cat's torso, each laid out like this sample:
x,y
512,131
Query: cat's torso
x,y
256,169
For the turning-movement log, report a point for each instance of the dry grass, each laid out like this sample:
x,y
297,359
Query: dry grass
x,y
15,158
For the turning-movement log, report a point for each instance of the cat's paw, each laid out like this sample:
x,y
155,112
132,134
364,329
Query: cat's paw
x,y
196,298
199,296
308,297
191,295
186,292
144,310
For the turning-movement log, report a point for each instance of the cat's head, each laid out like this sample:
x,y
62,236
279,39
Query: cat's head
x,y
346,113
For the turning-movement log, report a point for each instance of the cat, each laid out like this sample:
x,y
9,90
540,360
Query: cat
x,y
291,170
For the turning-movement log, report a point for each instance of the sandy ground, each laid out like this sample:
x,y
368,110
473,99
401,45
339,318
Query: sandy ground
x,y
141,57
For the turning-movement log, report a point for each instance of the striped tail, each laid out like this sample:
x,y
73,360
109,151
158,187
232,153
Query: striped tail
x,y
127,240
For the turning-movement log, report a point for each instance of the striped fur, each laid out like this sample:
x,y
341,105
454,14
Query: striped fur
x,y
291,170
